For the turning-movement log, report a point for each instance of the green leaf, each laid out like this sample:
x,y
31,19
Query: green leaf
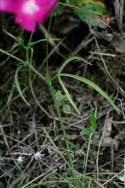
x,y
22,182
66,109
86,132
94,86
67,94
59,96
90,13
92,121
18,84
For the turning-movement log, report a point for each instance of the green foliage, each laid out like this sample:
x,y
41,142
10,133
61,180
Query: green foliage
x,y
60,98
83,80
18,84
92,121
22,182
89,16
61,101
92,125
89,11
66,109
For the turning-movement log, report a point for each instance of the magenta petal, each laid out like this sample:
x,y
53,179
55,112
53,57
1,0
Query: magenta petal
x,y
10,6
26,22
46,7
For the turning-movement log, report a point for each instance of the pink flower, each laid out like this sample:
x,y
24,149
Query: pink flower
x,y
28,12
